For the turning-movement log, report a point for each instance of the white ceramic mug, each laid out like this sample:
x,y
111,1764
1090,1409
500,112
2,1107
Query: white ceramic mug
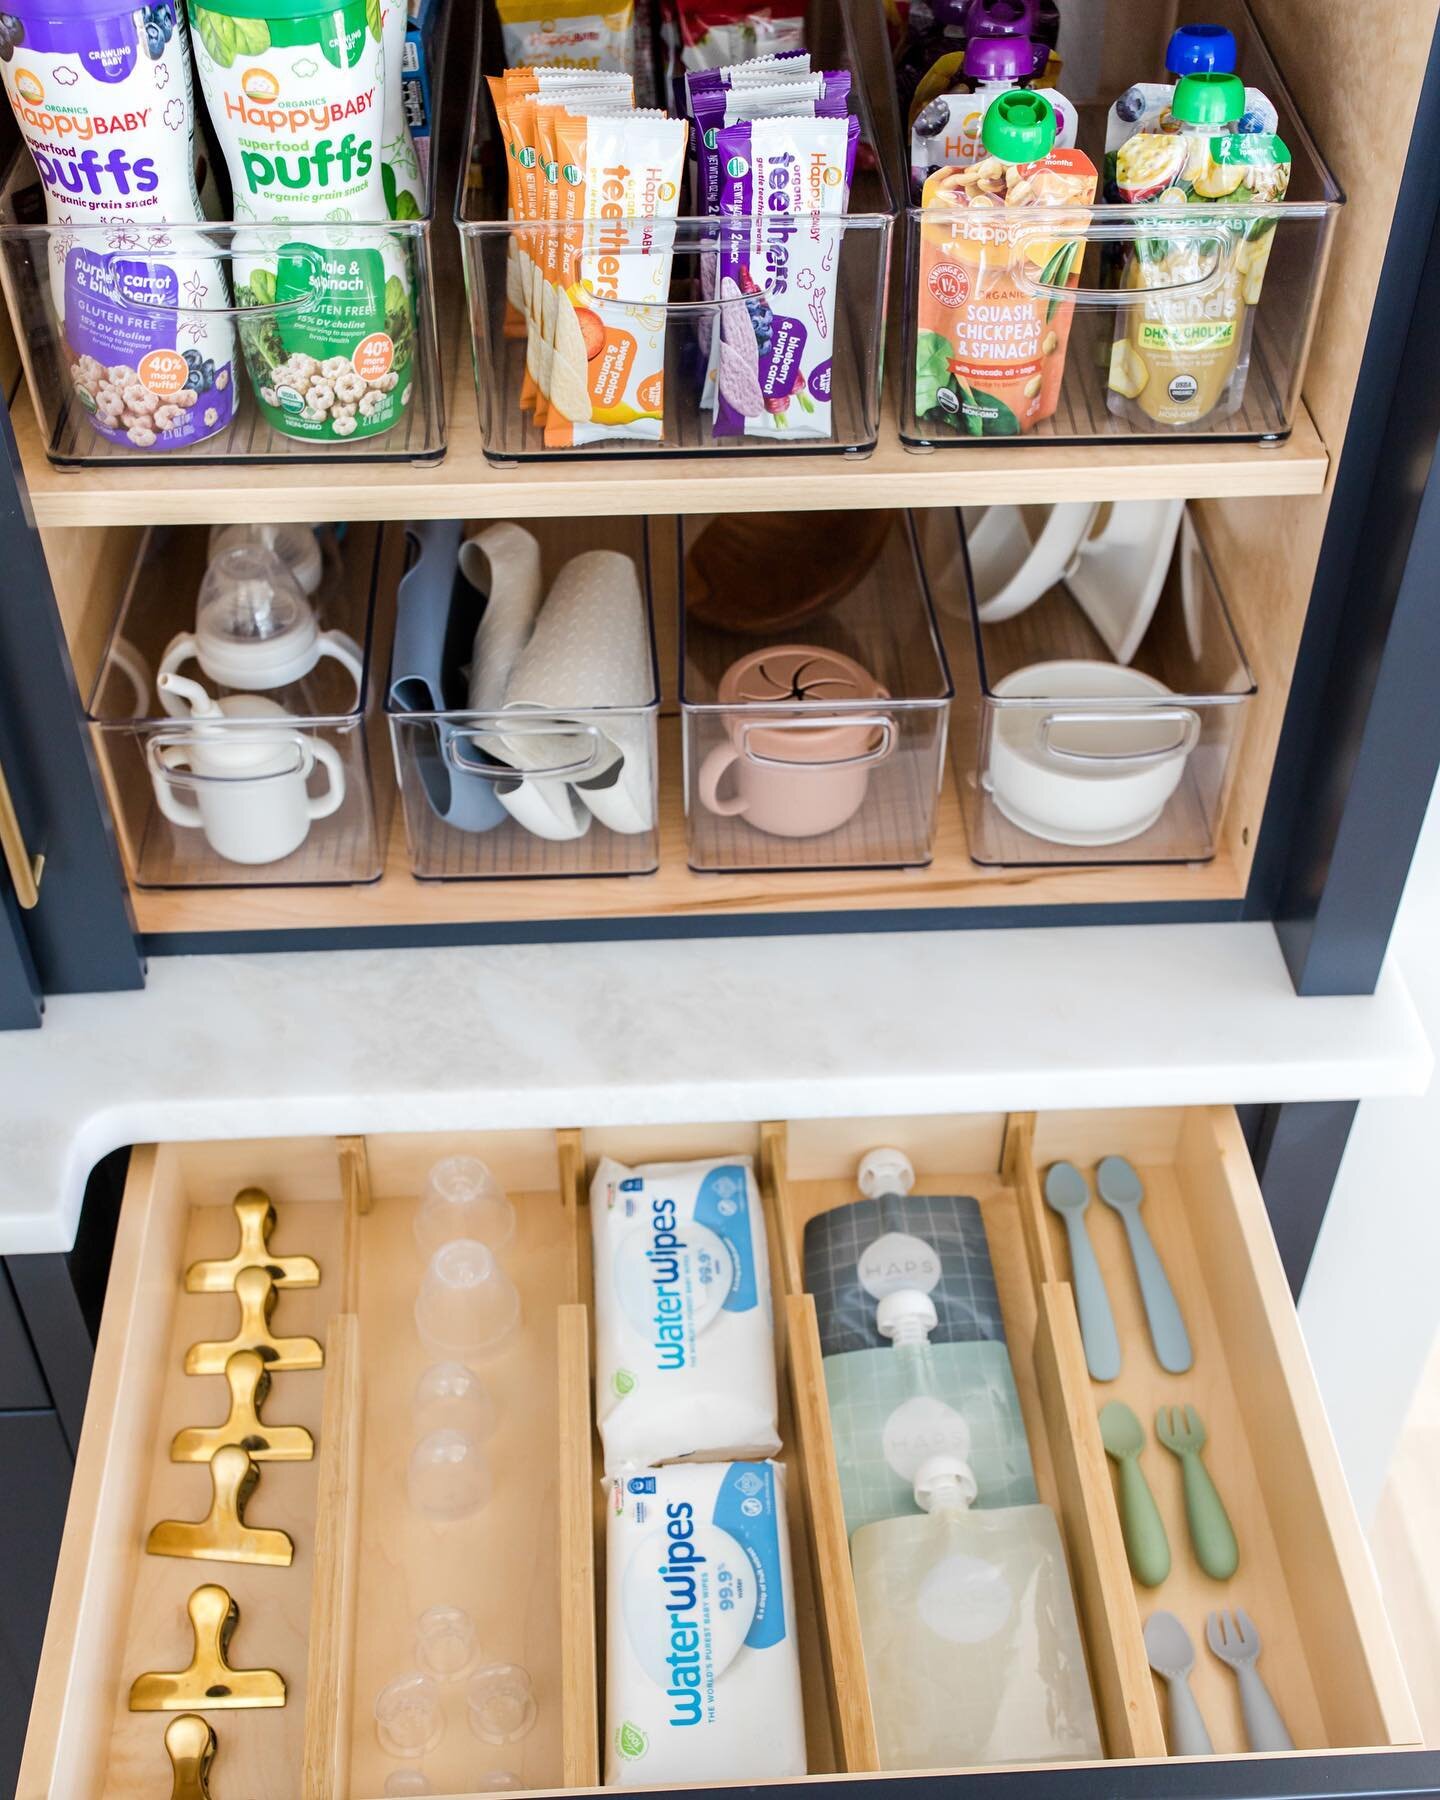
x,y
252,801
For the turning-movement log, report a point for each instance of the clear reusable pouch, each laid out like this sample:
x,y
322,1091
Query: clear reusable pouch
x,y
856,1254
972,1646
891,1409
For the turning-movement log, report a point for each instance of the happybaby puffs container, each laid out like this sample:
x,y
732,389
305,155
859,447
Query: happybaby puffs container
x,y
1099,711
276,305
632,322
1151,264
814,692
235,708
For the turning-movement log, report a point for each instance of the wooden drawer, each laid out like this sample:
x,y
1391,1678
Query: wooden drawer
x,y
339,1622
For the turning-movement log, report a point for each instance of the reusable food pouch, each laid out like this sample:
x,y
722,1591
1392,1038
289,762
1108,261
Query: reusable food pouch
x,y
931,1243
684,1336
946,130
702,1659
784,182
620,177
1178,358
891,1409
573,34
101,94
990,351
296,95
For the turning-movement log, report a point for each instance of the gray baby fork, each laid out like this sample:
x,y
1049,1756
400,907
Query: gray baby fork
x,y
1119,1187
1068,1193
1233,1638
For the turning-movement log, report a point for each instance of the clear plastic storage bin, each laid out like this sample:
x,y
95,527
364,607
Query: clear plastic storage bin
x,y
817,742
1066,755
250,801
552,788
856,247
198,361
1212,266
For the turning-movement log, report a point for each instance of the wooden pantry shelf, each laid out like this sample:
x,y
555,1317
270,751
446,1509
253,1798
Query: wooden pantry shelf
x,y
465,486
675,890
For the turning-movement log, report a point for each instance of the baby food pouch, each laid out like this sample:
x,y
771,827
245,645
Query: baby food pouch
x,y
620,177
1145,106
574,34
1177,359
716,32
296,95
946,130
990,351
102,96
785,183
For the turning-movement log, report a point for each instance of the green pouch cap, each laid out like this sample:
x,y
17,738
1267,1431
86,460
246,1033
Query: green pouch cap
x,y
1210,98
1019,126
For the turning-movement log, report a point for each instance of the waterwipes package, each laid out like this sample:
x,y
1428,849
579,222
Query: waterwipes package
x,y
892,1409
702,1667
855,1255
684,1337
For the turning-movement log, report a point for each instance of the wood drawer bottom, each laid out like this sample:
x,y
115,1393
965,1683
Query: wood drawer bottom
x,y
339,1622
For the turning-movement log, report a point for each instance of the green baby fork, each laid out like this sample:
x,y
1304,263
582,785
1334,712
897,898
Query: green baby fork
x,y
1181,1430
1146,1544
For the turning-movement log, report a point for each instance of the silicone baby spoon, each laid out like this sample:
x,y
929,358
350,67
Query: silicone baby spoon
x,y
1067,1193
1146,1544
1119,1187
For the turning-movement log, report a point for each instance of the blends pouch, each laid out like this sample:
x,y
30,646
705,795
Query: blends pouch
x,y
890,1409
702,1664
684,1337
1180,358
785,184
857,1254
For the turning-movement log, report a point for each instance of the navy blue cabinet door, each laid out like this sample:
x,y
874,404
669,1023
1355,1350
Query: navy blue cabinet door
x,y
79,937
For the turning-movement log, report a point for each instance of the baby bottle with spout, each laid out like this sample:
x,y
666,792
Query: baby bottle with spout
x,y
972,1646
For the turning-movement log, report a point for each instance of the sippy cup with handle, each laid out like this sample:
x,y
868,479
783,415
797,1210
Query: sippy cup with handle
x,y
254,629
250,784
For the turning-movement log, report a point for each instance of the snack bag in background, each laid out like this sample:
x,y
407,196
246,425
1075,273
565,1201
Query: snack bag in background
x,y
572,34
716,32
990,353
607,367
1177,360
785,184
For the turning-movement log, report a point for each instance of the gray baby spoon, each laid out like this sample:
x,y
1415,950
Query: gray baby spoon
x,y
1172,1656
1067,1193
1119,1187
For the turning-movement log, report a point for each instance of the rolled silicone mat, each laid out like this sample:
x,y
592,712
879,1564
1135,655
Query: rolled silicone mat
x,y
589,650
856,1254
890,1409
503,561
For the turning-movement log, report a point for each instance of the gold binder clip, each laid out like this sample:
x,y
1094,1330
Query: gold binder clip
x,y
222,1535
191,1744
255,1215
249,1381
209,1681
255,1290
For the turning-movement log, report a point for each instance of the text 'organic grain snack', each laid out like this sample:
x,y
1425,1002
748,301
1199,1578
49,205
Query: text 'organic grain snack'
x,y
993,317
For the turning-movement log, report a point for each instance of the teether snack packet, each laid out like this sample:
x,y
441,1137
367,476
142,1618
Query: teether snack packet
x,y
784,186
990,350
619,177
1180,356
571,34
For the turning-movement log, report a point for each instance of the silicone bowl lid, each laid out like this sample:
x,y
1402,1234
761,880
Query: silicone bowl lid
x,y
1019,126
1208,99
1000,59
1198,49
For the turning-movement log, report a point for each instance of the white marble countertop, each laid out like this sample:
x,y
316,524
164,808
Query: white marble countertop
x,y
642,1033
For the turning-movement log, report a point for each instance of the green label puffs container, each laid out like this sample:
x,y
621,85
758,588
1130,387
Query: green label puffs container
x,y
296,94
